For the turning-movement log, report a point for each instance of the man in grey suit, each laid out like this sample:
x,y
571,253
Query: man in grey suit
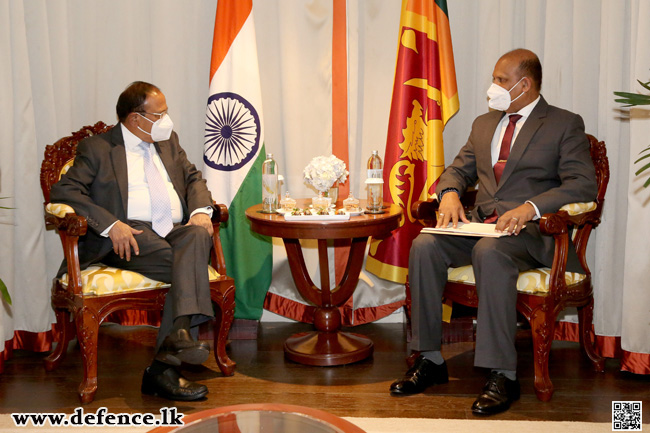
x,y
148,210
529,158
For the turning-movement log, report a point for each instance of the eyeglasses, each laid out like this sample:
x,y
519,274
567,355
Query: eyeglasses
x,y
160,115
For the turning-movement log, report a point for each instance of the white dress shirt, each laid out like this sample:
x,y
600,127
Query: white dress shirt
x,y
503,124
501,130
139,200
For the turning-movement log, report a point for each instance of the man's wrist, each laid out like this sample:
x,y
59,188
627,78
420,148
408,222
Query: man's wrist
x,y
106,232
537,215
446,190
204,210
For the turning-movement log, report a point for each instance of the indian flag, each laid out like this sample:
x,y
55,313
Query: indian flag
x,y
234,151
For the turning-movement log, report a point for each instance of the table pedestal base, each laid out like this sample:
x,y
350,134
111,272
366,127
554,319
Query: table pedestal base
x,y
327,348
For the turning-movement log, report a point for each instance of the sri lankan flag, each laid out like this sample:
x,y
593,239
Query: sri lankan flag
x,y
424,99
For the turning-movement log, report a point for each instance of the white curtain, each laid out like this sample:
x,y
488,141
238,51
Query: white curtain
x,y
65,62
635,321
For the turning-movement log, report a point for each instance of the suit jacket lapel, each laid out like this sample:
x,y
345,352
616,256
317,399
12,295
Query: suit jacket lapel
x,y
484,150
533,123
118,159
165,153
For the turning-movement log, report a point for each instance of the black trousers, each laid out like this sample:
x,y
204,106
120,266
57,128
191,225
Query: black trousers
x,y
180,258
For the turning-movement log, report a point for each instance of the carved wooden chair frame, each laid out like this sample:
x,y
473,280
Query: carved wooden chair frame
x,y
541,310
89,311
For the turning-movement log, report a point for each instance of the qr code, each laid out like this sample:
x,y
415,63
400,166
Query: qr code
x,y
626,416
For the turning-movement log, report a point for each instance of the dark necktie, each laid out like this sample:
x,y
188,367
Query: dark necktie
x,y
161,208
504,152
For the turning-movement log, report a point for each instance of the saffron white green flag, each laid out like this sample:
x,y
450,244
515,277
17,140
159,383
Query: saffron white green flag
x,y
234,151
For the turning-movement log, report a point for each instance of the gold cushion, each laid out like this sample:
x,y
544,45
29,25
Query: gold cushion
x,y
58,209
578,208
532,281
66,167
212,273
100,279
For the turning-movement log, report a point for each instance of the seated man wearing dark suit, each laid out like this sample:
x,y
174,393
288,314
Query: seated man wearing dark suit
x,y
529,158
148,210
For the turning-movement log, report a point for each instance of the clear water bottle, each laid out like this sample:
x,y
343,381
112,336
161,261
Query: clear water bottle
x,y
375,183
375,167
269,185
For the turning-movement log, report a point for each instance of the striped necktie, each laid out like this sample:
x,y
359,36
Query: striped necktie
x,y
161,208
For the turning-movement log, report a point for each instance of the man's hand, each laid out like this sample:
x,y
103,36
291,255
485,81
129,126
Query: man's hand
x,y
202,220
514,220
450,210
123,239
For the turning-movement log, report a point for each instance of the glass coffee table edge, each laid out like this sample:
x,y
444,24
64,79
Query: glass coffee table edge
x,y
315,414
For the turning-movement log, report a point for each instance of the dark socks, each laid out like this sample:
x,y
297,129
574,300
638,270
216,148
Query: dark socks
x,y
509,374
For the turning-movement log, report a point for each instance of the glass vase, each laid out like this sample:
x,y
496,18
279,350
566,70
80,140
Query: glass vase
x,y
333,193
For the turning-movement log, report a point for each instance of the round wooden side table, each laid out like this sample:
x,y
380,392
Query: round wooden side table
x,y
327,345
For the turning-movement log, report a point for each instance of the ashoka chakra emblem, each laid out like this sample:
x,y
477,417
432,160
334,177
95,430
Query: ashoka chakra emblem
x,y
232,132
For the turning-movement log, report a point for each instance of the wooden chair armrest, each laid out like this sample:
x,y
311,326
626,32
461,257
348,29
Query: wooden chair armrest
x,y
559,222
70,224
217,258
559,225
219,213
425,209
70,227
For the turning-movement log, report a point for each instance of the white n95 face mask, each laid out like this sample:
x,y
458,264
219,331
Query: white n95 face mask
x,y
500,97
161,129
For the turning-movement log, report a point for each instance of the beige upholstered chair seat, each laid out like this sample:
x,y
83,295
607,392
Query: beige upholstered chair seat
x,y
100,279
534,281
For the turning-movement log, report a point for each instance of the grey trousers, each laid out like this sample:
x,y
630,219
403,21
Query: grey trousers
x,y
181,258
497,263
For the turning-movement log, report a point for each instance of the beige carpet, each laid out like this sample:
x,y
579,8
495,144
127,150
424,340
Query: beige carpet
x,y
386,425
420,425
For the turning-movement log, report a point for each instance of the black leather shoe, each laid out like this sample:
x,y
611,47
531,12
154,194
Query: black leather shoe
x,y
422,375
179,347
498,393
172,385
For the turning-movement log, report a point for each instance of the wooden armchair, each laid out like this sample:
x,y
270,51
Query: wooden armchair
x,y
543,293
89,296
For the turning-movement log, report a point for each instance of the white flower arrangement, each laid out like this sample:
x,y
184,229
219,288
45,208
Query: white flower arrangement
x,y
323,172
